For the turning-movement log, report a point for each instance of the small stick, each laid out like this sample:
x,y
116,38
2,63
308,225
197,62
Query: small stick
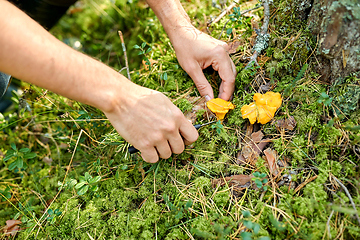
x,y
328,223
263,31
228,9
350,198
125,55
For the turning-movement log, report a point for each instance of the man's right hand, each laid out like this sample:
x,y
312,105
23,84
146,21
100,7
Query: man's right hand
x,y
152,123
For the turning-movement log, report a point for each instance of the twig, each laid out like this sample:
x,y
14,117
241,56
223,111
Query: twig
x,y
328,223
242,13
262,36
350,198
228,9
125,55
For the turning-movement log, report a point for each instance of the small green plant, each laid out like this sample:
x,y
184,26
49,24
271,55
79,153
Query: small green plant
x,y
218,126
52,215
5,194
143,51
325,99
20,155
235,17
260,180
254,227
181,210
86,183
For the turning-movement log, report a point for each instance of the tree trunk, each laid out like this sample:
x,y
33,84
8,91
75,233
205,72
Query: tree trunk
x,y
336,26
336,23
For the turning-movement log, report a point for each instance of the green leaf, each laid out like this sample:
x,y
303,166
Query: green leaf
x,y
188,204
50,211
94,188
117,176
264,238
13,146
256,174
265,188
264,181
248,224
148,50
7,157
228,31
83,190
143,45
29,155
256,228
95,179
136,46
262,175
87,176
246,235
19,163
246,213
165,76
258,182
12,165
24,150
79,185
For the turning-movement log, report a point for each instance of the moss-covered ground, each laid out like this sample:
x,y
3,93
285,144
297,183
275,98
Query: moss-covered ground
x,y
56,143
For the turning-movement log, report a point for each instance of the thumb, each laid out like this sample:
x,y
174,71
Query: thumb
x,y
200,81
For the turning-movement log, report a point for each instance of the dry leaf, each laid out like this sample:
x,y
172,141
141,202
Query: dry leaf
x,y
271,159
152,61
251,151
47,160
220,107
198,104
233,46
12,227
263,109
288,124
237,183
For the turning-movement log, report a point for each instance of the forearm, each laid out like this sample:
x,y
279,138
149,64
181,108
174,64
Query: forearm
x,y
171,14
30,53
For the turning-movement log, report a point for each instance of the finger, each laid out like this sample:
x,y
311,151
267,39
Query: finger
x,y
200,81
164,150
188,132
227,72
150,155
177,144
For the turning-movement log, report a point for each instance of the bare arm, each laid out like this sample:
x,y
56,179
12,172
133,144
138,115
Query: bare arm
x,y
145,118
195,50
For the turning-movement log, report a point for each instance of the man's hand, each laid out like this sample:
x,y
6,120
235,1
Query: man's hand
x,y
149,121
145,118
196,51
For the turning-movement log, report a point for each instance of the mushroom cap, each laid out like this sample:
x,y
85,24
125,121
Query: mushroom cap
x,y
263,109
219,106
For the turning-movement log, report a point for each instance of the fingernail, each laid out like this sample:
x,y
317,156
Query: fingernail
x,y
207,98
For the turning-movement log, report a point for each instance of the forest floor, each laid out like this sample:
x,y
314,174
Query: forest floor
x,y
65,173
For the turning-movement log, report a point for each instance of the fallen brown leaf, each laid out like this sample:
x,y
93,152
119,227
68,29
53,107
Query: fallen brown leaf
x,y
198,104
288,124
12,227
233,46
251,151
47,160
152,61
271,159
237,182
